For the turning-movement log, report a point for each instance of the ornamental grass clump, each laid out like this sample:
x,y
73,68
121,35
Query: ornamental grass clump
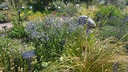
x,y
86,54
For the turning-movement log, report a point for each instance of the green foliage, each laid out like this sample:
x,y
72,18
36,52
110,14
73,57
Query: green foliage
x,y
17,32
72,1
106,13
119,3
39,5
68,9
126,2
3,17
80,1
111,21
56,4
114,31
10,55
109,31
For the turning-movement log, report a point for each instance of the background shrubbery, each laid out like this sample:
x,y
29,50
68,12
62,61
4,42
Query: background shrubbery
x,y
111,21
107,13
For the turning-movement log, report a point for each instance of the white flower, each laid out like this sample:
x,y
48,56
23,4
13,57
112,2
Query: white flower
x,y
59,7
30,7
61,58
23,7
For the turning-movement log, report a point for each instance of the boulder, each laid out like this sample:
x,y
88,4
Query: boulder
x,y
86,20
90,24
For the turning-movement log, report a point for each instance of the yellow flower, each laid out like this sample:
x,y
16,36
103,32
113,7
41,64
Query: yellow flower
x,y
22,14
30,11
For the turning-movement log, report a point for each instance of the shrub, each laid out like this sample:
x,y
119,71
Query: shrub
x,y
109,31
89,12
39,5
17,31
114,31
69,10
116,21
58,5
119,3
106,13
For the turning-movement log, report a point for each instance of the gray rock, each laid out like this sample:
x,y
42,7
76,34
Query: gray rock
x,y
83,19
91,24
86,20
4,6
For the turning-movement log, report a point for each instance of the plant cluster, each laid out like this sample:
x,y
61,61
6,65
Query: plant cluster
x,y
49,36
111,22
11,55
17,32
